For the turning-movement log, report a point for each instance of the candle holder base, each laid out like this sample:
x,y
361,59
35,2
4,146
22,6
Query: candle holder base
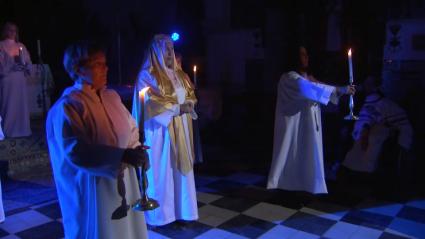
x,y
145,204
351,117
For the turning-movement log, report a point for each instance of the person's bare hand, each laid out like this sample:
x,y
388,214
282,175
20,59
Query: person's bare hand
x,y
346,90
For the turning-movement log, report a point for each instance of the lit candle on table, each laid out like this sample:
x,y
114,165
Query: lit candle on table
x,y
194,75
142,93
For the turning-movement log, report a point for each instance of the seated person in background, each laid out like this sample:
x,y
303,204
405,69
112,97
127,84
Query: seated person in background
x,y
379,117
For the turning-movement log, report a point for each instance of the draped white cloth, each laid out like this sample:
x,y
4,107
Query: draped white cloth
x,y
87,133
297,162
14,108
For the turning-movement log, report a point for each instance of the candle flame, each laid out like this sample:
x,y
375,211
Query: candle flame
x,y
142,92
349,52
194,68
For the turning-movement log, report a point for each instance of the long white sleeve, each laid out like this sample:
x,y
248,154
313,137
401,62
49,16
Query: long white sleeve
x,y
298,87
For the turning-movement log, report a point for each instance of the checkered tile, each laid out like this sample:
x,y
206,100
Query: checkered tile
x,y
235,207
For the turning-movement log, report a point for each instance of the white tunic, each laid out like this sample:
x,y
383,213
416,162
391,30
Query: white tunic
x,y
297,162
175,192
87,134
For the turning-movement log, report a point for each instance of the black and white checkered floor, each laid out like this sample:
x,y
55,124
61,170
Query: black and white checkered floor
x,y
238,206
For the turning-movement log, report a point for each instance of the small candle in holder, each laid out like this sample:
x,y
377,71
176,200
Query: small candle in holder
x,y
21,56
194,75
351,116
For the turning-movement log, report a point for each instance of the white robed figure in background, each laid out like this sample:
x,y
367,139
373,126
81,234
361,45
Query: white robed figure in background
x,y
94,146
15,65
297,162
168,113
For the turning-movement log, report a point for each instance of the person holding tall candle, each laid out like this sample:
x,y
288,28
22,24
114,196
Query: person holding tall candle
x,y
94,147
168,113
297,162
15,65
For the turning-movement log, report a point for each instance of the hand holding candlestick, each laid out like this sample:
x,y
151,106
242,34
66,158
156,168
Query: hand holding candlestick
x,y
351,116
137,158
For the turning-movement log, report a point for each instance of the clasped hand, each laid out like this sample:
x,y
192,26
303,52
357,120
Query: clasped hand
x,y
186,107
19,67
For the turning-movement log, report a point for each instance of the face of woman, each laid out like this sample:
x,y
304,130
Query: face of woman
x,y
10,31
95,71
169,54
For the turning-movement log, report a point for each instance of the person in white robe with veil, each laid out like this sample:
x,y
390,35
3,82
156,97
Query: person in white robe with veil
x,y
297,162
168,113
94,146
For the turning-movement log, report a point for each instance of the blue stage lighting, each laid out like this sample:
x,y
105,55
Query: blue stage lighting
x,y
175,36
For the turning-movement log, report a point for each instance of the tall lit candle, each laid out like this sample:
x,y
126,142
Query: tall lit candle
x,y
350,67
351,116
194,75
142,93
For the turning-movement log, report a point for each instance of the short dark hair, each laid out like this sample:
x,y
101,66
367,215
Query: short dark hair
x,y
77,55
